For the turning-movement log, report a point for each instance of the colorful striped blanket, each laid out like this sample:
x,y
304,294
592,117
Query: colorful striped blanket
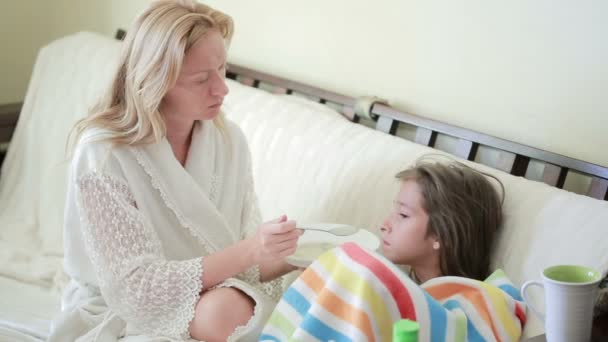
x,y
351,294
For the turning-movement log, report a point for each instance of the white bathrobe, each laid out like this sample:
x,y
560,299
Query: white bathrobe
x,y
137,225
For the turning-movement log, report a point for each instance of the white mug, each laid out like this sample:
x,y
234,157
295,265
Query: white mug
x,y
570,293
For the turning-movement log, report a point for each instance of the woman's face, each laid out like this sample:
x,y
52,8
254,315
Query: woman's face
x,y
200,88
404,231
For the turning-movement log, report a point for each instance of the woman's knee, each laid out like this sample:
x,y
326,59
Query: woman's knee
x,y
219,312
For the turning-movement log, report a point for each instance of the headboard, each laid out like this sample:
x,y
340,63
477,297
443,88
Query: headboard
x,y
9,114
512,157
515,158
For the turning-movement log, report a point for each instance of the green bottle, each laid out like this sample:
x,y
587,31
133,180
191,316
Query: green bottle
x,y
405,331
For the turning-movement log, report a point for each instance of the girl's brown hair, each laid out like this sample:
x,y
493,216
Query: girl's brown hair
x,y
465,214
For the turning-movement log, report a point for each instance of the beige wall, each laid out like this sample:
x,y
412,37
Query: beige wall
x,y
19,42
530,71
68,16
28,25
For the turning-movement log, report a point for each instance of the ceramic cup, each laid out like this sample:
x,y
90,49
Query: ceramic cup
x,y
570,293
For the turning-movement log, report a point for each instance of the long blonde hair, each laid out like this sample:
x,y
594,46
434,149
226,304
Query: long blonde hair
x,y
152,55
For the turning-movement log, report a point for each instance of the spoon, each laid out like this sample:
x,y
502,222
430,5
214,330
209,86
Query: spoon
x,y
332,228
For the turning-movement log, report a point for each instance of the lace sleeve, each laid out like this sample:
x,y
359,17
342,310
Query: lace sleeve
x,y
250,220
151,293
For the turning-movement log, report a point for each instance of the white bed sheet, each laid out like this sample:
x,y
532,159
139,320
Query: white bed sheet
x,y
26,310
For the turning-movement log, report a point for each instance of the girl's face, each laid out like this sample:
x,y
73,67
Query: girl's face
x,y
404,231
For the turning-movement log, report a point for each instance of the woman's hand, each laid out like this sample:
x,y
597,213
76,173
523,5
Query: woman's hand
x,y
275,240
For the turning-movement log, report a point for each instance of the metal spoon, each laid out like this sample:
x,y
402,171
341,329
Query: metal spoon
x,y
332,228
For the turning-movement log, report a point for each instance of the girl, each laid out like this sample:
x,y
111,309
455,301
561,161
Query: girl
x,y
444,221
443,225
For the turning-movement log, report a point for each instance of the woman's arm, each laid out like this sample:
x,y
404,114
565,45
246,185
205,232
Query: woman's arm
x,y
275,269
137,281
273,241
271,268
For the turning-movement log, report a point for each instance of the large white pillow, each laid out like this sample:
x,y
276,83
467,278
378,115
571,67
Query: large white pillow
x,y
70,74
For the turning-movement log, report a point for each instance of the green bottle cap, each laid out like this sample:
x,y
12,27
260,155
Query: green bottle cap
x,y
405,331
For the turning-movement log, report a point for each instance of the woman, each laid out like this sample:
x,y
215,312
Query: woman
x,y
161,197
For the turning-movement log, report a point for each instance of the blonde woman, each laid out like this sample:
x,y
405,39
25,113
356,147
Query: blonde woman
x,y
161,197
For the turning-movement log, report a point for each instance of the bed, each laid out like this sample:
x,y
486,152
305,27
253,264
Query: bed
x,y
353,145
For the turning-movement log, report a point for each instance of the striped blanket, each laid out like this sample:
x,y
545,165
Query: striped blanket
x,y
351,294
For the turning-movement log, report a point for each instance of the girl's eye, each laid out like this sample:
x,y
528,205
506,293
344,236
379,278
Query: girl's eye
x,y
403,215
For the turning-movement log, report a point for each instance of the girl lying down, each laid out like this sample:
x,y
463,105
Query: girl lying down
x,y
443,225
